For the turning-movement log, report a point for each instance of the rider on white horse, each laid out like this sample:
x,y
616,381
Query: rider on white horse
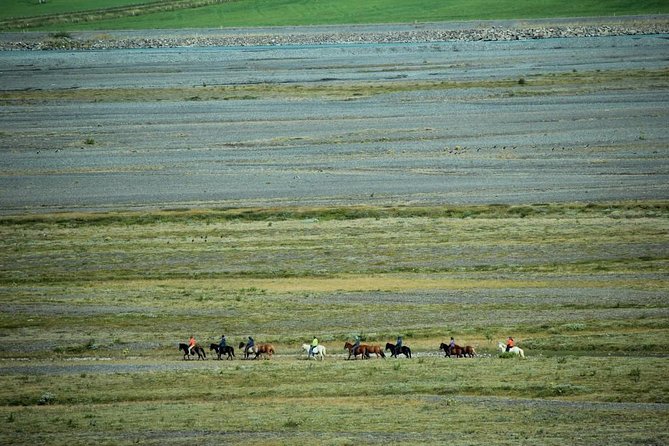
x,y
250,346
509,343
313,346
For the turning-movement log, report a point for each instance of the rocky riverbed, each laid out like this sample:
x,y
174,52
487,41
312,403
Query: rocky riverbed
x,y
430,32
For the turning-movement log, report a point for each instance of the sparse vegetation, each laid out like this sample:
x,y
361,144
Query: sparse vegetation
x,y
541,85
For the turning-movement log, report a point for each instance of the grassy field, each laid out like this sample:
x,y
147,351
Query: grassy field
x,y
141,14
93,305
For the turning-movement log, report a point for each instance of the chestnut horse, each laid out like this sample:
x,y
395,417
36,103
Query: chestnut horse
x,y
259,349
227,350
197,349
469,350
376,349
406,351
348,346
455,350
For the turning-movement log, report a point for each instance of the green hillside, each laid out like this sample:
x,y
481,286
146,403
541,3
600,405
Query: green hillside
x,y
138,14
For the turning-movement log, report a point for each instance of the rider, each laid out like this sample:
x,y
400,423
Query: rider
x,y
191,344
356,345
249,345
222,344
509,343
314,344
451,345
398,346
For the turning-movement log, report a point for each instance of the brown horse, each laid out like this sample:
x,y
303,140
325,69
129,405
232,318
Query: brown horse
x,y
258,349
348,346
376,349
469,350
455,350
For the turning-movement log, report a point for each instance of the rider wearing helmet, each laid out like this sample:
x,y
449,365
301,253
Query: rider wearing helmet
x,y
509,343
191,344
249,345
398,346
356,345
314,344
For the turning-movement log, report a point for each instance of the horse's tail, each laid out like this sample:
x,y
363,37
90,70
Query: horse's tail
x,y
522,353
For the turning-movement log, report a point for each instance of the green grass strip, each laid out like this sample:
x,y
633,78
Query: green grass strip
x,y
177,14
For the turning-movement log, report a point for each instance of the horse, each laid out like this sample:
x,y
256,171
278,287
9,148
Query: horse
x,y
448,350
258,349
376,349
348,346
515,350
227,350
319,351
469,350
406,351
197,349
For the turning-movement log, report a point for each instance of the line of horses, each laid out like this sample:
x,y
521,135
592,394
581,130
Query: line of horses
x,y
255,352
365,351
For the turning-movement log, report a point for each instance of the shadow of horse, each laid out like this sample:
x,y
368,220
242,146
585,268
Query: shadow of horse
x,y
456,350
227,350
197,349
266,350
406,351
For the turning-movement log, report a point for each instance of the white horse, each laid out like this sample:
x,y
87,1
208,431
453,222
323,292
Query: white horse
x,y
319,351
516,350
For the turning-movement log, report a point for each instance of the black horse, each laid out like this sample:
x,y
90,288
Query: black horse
x,y
197,349
406,351
227,350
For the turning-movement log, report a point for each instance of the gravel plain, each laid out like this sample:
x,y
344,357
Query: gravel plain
x,y
473,142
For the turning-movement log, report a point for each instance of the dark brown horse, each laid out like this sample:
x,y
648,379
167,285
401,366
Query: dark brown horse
x,y
197,349
455,350
258,349
227,350
406,351
359,351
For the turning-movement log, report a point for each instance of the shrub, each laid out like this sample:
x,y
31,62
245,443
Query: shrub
x,y
46,398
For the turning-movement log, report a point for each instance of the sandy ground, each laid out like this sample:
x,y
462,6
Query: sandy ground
x,y
463,145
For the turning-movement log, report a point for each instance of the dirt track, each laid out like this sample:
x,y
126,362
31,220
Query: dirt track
x,y
473,143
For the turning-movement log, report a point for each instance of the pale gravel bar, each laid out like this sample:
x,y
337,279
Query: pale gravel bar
x,y
341,34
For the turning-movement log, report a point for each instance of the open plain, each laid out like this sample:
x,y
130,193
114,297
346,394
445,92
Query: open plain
x,y
475,189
